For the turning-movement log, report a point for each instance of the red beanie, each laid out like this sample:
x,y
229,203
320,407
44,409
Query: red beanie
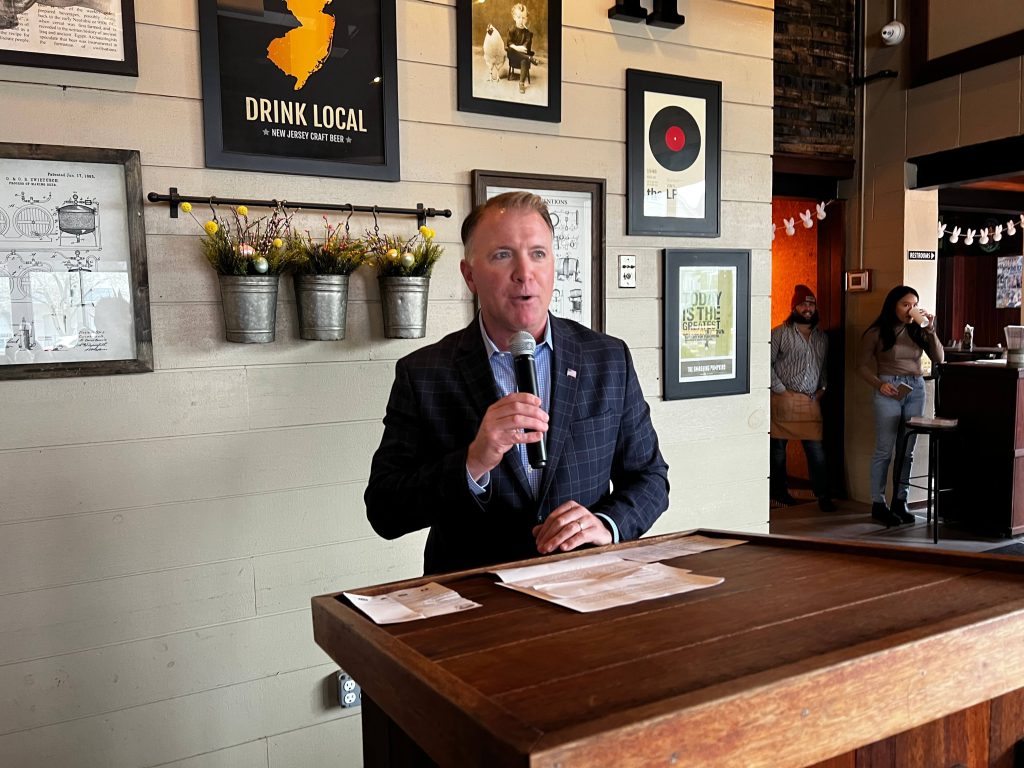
x,y
801,294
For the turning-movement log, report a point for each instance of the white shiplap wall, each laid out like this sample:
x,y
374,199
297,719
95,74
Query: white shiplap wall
x,y
161,535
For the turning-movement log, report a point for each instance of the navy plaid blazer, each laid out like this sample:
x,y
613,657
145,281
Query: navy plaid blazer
x,y
602,450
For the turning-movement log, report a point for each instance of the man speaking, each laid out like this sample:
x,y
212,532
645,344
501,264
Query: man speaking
x,y
454,455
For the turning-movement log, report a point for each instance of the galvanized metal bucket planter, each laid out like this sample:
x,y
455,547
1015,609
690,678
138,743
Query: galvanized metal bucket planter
x,y
323,304
404,303
250,307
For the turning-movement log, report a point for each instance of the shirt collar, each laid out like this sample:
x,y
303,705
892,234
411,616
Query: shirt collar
x,y
492,348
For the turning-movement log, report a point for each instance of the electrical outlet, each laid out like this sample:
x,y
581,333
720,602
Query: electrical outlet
x,y
349,692
627,271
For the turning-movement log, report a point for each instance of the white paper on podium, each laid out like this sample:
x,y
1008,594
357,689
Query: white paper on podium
x,y
666,550
430,599
597,582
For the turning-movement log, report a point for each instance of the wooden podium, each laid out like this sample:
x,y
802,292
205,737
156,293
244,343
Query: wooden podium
x,y
811,652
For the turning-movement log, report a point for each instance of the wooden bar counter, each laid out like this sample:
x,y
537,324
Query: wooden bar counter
x,y
811,652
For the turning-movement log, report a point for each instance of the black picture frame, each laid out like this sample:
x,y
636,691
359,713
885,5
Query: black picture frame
x,y
123,22
926,69
664,114
74,263
695,318
258,117
484,82
577,207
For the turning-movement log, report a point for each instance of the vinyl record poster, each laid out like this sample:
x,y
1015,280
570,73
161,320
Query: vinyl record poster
x,y
301,86
673,148
674,154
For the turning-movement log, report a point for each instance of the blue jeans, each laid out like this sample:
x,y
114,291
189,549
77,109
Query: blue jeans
x,y
890,414
816,467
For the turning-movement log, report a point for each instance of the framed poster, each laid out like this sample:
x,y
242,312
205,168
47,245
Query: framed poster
x,y
576,206
706,323
510,58
84,35
673,154
308,88
1008,281
74,292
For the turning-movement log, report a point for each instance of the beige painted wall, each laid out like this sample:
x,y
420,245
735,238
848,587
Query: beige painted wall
x,y
977,106
161,535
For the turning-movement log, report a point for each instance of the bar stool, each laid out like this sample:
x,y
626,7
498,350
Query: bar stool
x,y
935,429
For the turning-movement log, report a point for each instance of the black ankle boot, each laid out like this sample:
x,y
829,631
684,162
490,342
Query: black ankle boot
x,y
881,514
900,509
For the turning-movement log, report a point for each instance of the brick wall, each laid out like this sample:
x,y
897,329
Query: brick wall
x,y
814,102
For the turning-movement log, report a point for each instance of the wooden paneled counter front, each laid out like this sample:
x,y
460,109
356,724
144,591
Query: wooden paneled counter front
x,y
811,652
984,465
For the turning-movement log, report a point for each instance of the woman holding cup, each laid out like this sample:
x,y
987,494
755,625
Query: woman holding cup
x,y
890,361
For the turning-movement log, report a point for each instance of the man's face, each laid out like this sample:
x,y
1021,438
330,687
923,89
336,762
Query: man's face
x,y
510,266
805,309
521,18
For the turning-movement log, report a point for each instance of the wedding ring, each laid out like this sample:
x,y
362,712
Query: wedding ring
x,y
580,526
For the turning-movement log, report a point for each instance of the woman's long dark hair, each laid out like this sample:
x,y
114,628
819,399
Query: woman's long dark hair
x,y
888,320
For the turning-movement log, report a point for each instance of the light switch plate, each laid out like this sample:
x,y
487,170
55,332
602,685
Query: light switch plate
x,y
627,271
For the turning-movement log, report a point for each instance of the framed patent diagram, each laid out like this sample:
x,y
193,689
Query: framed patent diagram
x,y
673,155
74,293
308,88
84,35
576,206
706,323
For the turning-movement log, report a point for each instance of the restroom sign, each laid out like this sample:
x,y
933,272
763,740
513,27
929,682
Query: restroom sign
x,y
921,255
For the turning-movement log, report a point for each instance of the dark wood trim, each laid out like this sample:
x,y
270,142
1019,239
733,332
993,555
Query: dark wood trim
x,y
804,187
803,165
981,200
924,70
987,160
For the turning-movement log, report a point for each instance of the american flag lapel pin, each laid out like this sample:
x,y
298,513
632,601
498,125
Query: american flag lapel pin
x,y
571,373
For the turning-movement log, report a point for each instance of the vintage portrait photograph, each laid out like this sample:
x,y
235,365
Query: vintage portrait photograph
x,y
510,58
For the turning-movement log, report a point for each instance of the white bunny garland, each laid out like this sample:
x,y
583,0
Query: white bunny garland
x,y
807,218
995,233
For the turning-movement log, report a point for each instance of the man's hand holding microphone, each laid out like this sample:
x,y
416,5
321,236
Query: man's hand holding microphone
x,y
520,417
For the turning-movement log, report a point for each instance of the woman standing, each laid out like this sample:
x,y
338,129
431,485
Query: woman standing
x,y
890,361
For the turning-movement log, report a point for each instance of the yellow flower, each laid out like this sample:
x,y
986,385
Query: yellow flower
x,y
243,211
278,242
427,232
186,207
211,227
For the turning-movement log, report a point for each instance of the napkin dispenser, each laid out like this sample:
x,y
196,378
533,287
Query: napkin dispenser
x,y
1014,344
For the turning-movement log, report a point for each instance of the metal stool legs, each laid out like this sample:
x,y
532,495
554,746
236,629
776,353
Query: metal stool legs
x,y
902,440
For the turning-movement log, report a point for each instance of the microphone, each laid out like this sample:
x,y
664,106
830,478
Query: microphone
x,y
521,346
